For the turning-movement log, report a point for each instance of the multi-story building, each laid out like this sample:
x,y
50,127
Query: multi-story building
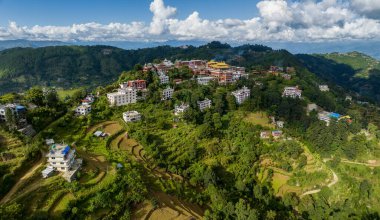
x,y
62,158
205,104
242,94
131,116
324,116
164,79
124,96
89,99
3,109
265,134
137,84
204,80
312,107
18,110
286,76
239,75
179,109
290,69
148,67
280,124
167,93
83,109
168,63
292,92
324,88
276,134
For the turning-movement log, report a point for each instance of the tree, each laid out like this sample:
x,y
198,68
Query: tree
x,y
231,102
217,121
302,161
11,211
10,118
51,98
35,95
365,189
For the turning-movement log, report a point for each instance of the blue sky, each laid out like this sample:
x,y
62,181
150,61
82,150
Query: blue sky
x,y
67,12
205,20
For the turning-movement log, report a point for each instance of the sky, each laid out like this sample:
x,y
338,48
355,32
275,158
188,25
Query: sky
x,y
204,20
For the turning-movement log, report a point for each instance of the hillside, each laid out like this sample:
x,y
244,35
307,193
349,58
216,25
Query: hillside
x,y
92,66
354,71
232,160
361,63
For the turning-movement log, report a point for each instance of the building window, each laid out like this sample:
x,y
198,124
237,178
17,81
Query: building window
x,y
62,162
54,162
53,158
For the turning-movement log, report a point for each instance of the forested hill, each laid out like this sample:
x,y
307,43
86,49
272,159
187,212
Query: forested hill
x,y
353,71
73,66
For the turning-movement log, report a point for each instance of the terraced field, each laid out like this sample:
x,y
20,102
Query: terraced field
x,y
12,151
168,207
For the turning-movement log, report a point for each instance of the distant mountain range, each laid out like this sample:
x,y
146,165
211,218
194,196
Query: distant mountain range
x,y
366,47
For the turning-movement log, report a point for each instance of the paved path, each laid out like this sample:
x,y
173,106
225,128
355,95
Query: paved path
x,y
22,180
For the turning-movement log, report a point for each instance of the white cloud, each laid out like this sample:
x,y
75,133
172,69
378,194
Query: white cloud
x,y
278,20
369,8
161,14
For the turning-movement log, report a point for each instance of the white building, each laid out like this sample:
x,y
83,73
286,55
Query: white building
x,y
204,80
292,92
265,134
17,110
62,158
164,79
84,109
324,88
124,96
239,75
325,116
2,112
180,109
204,104
348,98
167,63
131,116
242,94
280,124
167,93
312,107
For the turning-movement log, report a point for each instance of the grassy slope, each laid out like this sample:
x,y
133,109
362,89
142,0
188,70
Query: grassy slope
x,y
361,63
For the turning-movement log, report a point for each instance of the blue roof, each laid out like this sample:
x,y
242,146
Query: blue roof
x,y
66,150
334,115
20,107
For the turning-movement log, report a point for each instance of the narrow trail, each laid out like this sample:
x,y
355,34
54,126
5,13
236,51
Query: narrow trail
x,y
23,179
359,163
377,164
332,183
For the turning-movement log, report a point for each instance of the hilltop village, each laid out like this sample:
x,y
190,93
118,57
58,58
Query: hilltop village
x,y
171,137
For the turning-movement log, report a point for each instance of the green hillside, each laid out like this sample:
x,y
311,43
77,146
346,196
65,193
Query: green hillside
x,y
211,164
361,63
355,72
69,67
